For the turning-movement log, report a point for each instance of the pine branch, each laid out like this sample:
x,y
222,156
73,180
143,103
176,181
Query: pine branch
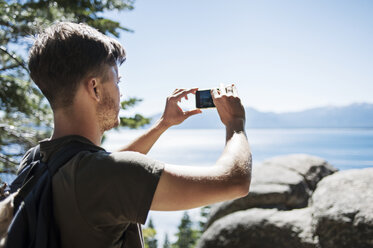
x,y
18,136
10,163
9,67
14,57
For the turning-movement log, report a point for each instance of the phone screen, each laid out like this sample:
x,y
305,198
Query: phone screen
x,y
204,99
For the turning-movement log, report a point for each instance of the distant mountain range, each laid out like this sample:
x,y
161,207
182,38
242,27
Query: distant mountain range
x,y
351,116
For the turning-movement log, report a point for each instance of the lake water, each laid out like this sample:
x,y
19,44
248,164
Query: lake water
x,y
343,148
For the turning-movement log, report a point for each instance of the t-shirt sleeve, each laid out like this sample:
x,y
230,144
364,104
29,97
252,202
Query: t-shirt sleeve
x,y
116,188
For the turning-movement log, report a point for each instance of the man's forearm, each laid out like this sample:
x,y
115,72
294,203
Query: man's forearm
x,y
145,142
236,160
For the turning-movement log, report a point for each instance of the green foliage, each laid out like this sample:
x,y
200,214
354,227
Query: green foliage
x,y
134,122
25,115
187,236
166,243
204,213
137,120
149,234
130,103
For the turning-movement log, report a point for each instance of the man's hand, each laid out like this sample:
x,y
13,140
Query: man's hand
x,y
229,106
173,114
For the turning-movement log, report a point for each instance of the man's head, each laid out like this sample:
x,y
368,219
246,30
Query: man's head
x,y
67,53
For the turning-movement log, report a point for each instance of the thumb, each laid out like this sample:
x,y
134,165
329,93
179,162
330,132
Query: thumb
x,y
192,112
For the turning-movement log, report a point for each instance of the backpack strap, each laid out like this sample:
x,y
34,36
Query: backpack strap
x,y
35,154
32,155
68,152
60,158
26,170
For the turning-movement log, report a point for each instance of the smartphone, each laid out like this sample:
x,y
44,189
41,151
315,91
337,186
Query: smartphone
x,y
204,99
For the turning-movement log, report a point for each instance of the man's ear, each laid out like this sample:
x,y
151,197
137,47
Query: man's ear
x,y
93,88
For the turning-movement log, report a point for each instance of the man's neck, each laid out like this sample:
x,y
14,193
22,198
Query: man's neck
x,y
76,123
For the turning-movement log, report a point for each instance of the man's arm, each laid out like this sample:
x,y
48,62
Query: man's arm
x,y
185,187
173,115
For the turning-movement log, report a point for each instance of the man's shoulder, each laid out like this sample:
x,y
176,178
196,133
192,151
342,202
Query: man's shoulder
x,y
49,147
112,160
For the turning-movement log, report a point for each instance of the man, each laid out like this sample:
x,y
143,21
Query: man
x,y
100,198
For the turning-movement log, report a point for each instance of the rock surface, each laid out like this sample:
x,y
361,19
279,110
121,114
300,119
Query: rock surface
x,y
311,168
261,228
337,213
284,182
342,207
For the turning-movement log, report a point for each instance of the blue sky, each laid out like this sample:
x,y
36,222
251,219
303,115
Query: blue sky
x,y
282,55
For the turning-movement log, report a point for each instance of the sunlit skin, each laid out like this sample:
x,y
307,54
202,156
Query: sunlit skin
x,y
95,109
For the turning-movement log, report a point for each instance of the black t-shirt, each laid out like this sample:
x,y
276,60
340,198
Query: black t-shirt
x,y
100,198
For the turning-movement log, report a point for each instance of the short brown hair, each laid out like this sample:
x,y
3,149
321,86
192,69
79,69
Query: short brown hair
x,y
67,52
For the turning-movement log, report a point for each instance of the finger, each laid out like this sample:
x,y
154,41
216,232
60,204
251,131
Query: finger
x,y
176,91
229,90
185,92
191,90
222,90
192,112
194,90
235,92
214,93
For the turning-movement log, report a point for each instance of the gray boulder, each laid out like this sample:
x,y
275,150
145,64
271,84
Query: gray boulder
x,y
261,228
284,182
343,209
311,168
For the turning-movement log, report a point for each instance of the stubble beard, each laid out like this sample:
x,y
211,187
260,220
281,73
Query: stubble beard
x,y
107,113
